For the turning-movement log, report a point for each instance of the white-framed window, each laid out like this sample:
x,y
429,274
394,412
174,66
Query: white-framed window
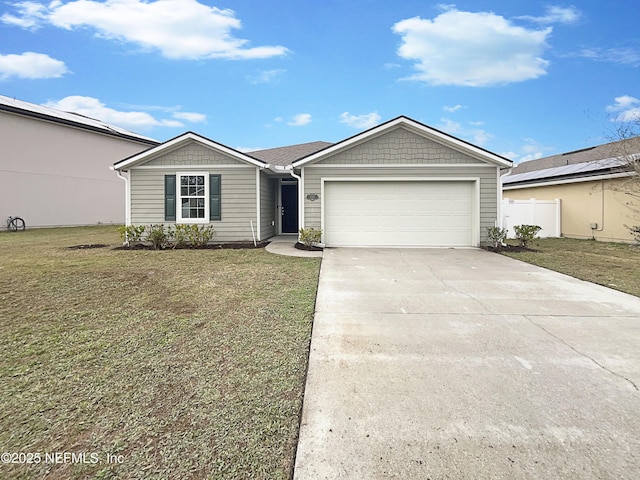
x,y
192,192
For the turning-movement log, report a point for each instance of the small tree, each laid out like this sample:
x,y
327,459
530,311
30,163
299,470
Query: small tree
x,y
526,233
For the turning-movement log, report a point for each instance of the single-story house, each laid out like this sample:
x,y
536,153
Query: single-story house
x,y
400,183
55,166
598,191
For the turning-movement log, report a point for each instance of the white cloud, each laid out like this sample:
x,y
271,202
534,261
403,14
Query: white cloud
x,y
622,56
625,109
531,156
31,65
179,29
265,76
391,66
472,49
477,136
452,109
94,108
555,14
365,121
191,117
300,120
531,149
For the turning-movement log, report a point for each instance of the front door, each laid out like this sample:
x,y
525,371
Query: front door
x,y
289,208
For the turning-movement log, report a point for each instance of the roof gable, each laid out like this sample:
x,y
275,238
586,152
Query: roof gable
x,y
418,128
181,141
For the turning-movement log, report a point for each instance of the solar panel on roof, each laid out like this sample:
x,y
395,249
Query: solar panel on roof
x,y
68,116
572,169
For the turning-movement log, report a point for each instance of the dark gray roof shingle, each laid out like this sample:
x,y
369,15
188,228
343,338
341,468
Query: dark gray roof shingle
x,y
284,156
599,152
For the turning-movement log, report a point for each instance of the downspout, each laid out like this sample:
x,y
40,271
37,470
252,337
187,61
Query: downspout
x,y
499,216
600,226
300,199
127,196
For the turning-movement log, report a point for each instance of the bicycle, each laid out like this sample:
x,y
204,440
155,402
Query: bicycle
x,y
15,223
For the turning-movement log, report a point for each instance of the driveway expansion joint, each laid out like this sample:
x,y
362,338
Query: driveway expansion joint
x,y
582,354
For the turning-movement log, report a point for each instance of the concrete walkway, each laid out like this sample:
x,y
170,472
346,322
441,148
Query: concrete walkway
x,y
285,245
463,364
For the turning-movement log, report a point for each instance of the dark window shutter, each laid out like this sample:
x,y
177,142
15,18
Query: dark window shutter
x,y
170,198
214,198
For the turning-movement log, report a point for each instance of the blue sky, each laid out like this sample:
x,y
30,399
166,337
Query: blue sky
x,y
521,78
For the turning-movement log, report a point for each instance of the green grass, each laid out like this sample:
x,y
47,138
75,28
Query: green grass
x,y
187,363
614,265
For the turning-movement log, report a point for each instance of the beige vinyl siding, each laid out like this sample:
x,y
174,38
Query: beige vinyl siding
x,y
268,190
399,146
487,174
238,192
605,202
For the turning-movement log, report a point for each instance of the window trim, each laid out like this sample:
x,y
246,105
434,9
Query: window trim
x,y
179,218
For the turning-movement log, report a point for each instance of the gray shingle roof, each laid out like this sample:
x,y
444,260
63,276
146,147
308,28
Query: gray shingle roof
x,y
602,159
583,169
599,152
20,107
284,156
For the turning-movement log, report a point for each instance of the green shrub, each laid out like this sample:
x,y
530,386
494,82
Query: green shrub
x,y
178,235
157,236
526,233
199,235
131,234
497,236
309,236
635,232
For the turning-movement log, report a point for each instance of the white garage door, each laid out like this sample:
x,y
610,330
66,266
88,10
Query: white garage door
x,y
398,213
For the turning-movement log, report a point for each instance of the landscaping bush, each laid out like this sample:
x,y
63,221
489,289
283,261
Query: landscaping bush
x,y
161,236
497,236
310,236
526,233
178,234
157,236
635,232
131,234
199,235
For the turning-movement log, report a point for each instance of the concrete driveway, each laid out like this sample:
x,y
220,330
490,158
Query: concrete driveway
x,y
463,364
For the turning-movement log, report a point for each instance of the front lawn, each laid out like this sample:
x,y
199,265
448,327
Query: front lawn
x,y
614,265
154,364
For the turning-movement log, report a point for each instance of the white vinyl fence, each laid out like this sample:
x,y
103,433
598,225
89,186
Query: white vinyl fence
x,y
544,213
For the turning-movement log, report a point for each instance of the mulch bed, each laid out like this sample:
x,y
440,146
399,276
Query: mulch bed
x,y
309,248
88,246
510,248
211,246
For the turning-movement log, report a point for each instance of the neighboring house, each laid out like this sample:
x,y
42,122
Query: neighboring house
x,y
54,166
401,183
597,189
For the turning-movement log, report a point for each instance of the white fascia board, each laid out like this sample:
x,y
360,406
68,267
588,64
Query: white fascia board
x,y
437,136
548,183
182,139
